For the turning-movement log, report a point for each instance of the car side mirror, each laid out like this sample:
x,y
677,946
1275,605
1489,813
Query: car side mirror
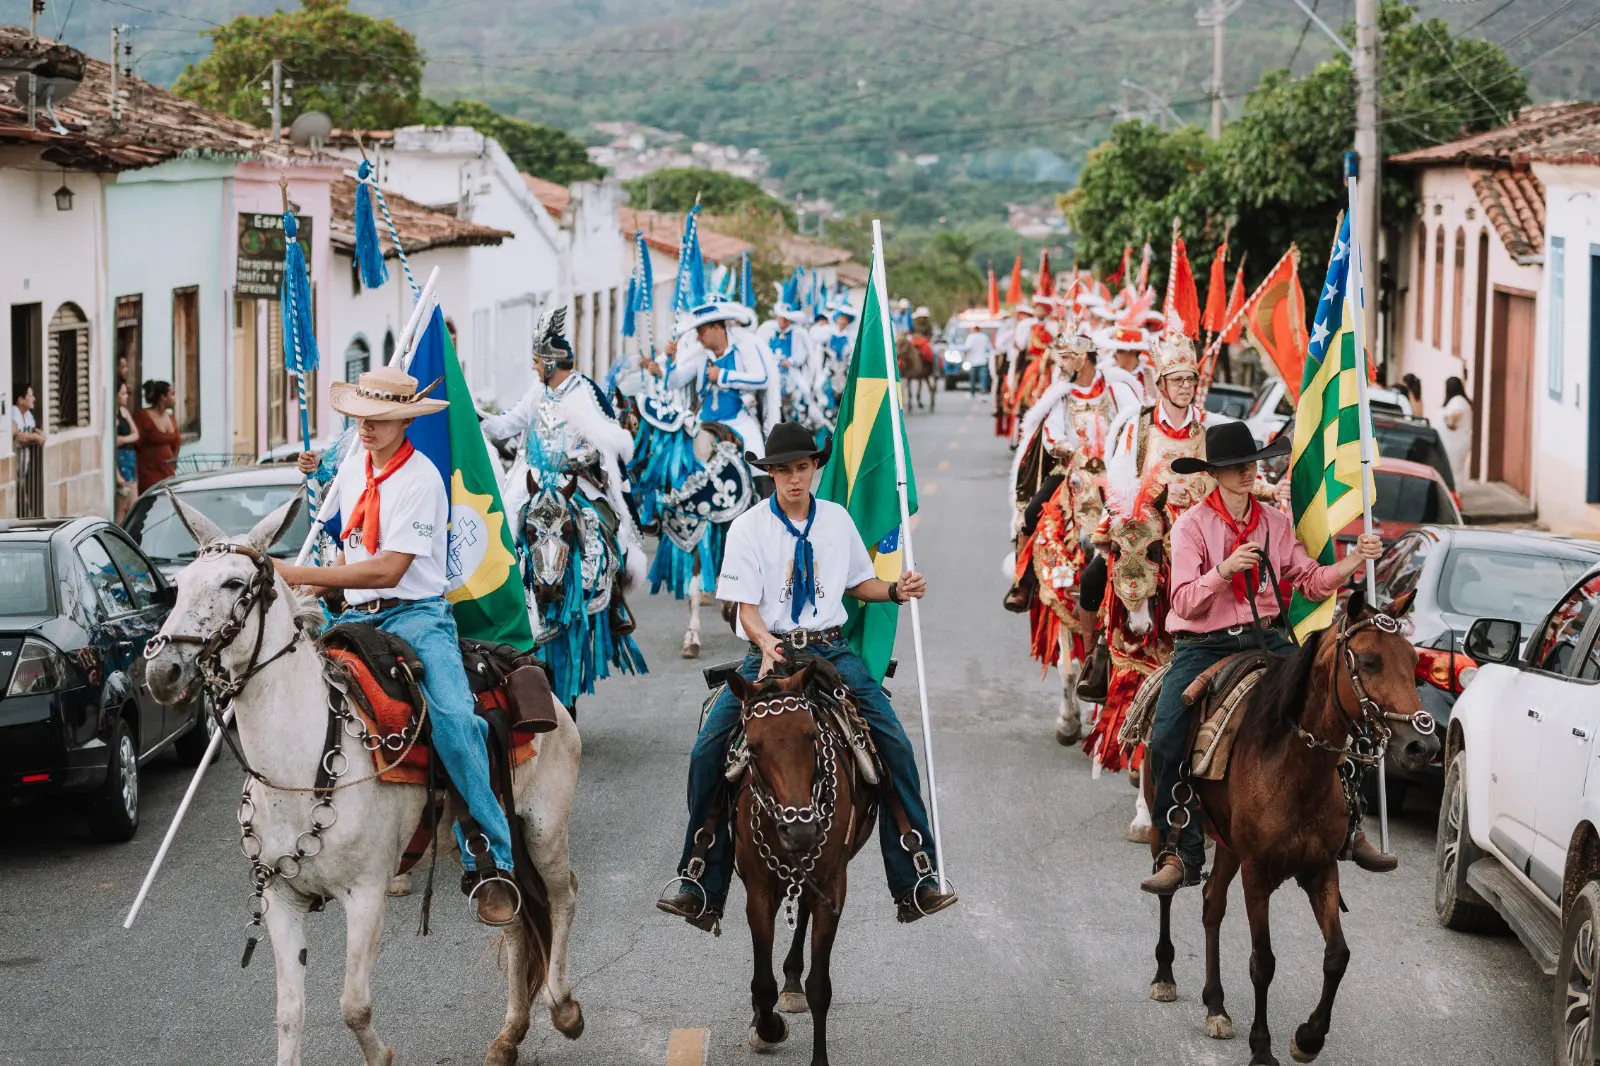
x,y
167,596
1493,640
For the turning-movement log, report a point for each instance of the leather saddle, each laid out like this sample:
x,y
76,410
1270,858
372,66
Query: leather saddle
x,y
1218,696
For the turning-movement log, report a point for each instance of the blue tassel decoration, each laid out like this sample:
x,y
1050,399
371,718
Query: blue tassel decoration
x,y
294,299
369,252
747,285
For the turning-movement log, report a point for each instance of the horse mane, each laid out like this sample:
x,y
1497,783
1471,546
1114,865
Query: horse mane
x,y
307,613
1279,698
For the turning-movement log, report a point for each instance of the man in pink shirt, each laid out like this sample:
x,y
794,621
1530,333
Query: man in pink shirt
x,y
1221,547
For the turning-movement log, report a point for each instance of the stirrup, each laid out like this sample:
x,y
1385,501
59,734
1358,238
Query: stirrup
x,y
472,898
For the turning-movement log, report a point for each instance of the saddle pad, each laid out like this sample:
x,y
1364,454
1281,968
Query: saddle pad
x,y
1142,712
1213,741
390,716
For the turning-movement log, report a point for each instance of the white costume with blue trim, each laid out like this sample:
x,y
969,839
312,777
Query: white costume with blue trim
x,y
743,374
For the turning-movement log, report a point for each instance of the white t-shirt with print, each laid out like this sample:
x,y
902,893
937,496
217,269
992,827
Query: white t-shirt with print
x,y
413,513
758,560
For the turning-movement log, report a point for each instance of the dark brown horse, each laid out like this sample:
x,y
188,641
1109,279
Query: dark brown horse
x,y
1281,811
803,812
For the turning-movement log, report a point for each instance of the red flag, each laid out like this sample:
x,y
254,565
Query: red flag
x,y
1183,302
1233,320
1215,316
1122,271
1045,283
1275,315
994,294
1144,271
1014,290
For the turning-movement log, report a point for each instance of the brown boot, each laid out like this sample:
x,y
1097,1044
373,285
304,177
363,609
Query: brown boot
x,y
1017,599
1365,854
924,901
692,908
1173,875
496,900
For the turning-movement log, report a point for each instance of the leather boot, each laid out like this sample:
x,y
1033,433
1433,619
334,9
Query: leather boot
x,y
1173,875
496,902
1366,855
927,900
691,907
1017,599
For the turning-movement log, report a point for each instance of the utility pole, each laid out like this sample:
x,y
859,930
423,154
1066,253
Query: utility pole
x,y
116,64
35,9
275,100
1366,227
1214,15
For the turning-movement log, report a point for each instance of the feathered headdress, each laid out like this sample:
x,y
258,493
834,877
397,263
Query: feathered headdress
x,y
549,339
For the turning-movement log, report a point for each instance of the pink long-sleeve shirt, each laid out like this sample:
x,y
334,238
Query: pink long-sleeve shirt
x,y
1203,600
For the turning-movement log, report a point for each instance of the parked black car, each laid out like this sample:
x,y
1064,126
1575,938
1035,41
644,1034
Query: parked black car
x,y
78,602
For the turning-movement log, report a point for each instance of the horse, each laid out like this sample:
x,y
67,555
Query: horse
x,y
801,783
1281,810
916,365
237,628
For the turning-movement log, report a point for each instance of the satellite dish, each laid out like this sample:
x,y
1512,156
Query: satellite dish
x,y
47,91
310,130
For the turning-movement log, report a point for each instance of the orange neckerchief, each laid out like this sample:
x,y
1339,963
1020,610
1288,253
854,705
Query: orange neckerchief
x,y
364,516
1243,586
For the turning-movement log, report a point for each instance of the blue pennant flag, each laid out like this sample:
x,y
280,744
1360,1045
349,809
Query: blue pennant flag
x,y
691,287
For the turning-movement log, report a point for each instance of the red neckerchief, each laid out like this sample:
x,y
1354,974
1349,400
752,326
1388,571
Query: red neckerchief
x,y
364,515
1243,585
1184,432
1097,389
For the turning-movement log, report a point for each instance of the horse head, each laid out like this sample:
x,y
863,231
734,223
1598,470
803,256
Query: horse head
x,y
228,603
1376,678
781,736
549,530
1135,566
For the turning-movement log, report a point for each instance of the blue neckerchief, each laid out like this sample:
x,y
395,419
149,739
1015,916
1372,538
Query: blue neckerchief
x,y
803,581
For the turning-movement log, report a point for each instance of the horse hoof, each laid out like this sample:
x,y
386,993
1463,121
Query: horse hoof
x,y
388,1055
1219,1027
1299,1054
1163,991
793,1003
501,1053
1139,834
760,1043
400,885
568,1019
1068,737
691,650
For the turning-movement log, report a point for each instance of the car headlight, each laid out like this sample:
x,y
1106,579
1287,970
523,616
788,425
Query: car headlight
x,y
40,669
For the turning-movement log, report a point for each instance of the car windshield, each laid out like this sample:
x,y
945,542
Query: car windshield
x,y
237,509
24,581
1412,500
1481,583
1231,404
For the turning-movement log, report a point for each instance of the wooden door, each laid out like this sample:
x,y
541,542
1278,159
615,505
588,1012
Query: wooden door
x,y
245,370
1510,444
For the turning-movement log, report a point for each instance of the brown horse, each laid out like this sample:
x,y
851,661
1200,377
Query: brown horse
x,y
1282,809
914,356
802,813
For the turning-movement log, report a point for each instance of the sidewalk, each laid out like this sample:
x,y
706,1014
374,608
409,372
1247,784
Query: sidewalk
x,y
1493,503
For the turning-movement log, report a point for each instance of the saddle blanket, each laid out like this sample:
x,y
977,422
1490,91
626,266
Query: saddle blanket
x,y
389,716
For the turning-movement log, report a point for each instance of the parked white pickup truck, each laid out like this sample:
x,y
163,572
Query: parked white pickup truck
x,y
1518,844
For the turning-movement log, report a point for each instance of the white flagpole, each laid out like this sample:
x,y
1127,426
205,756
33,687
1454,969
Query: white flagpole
x,y
1358,282
892,373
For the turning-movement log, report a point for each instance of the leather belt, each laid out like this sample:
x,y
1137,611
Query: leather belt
x,y
376,606
1275,622
797,639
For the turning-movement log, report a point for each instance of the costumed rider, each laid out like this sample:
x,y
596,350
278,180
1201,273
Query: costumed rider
x,y
724,363
1233,559
789,563
394,513
838,343
798,363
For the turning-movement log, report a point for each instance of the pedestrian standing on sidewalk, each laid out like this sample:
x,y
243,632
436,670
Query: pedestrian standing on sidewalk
x,y
159,438
1413,390
1454,424
24,427
977,351
127,453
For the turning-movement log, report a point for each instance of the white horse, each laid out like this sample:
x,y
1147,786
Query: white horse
x,y
237,620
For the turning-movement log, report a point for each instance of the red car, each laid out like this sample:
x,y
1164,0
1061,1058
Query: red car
x,y
1406,495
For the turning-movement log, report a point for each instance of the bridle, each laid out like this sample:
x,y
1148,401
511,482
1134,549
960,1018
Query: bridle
x,y
1367,733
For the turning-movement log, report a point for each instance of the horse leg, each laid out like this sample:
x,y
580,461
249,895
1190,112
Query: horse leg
x,y
1223,867
1323,891
767,1028
819,985
691,636
1139,830
1069,720
1257,894
519,998
286,925
792,1000
363,920
1164,986
546,811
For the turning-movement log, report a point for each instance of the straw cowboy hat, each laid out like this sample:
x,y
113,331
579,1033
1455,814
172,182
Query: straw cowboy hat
x,y
386,394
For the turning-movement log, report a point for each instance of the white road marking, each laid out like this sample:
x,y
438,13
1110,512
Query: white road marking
x,y
687,1047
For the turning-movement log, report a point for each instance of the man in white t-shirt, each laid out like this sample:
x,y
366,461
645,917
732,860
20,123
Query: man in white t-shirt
x,y
25,429
769,551
393,520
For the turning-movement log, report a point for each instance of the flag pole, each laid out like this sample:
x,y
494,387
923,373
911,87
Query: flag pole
x,y
891,371
1352,179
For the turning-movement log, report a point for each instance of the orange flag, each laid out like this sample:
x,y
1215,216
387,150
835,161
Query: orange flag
x,y
1183,302
1122,271
1275,315
994,294
1014,290
1045,283
1233,321
1217,292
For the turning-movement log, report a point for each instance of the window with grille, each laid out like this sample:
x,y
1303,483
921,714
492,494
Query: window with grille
x,y
1419,283
67,350
1438,286
1458,292
277,377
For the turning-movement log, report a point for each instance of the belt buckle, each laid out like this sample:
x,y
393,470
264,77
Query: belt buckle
x,y
799,638
1234,631
371,606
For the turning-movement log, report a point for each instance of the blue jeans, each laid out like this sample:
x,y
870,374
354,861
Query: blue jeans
x,y
977,377
1169,734
706,779
459,735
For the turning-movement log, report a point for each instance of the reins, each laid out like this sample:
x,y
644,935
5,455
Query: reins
x,y
1366,735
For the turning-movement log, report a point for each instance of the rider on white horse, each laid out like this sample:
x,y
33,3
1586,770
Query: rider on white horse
x,y
724,364
393,514
798,364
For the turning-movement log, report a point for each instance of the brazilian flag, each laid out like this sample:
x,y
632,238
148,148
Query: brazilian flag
x,y
860,475
484,587
1325,462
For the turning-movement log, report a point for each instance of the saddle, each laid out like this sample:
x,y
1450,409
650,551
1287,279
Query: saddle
x,y
1217,694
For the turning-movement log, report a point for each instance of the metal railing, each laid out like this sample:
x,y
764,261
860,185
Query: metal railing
x,y
189,462
30,481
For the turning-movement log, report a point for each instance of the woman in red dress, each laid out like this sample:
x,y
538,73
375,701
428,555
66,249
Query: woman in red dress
x,y
159,438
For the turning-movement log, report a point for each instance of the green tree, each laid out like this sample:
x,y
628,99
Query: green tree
x,y
364,72
675,189
547,153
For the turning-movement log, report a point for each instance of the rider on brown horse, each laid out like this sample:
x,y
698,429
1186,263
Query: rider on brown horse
x,y
1228,554
788,564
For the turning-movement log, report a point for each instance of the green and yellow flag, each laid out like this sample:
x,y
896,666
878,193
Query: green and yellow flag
x,y
860,476
1325,462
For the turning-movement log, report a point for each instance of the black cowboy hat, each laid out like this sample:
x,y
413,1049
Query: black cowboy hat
x,y
788,442
1230,444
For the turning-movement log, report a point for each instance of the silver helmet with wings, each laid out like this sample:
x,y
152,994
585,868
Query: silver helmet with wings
x,y
550,345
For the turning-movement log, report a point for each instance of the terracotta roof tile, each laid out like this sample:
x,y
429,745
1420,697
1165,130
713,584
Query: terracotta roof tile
x,y
553,195
1533,133
420,227
664,231
155,125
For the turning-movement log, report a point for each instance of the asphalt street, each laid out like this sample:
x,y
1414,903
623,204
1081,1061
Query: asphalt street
x,y
1047,959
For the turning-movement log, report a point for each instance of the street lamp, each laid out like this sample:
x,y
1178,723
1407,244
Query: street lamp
x,y
63,197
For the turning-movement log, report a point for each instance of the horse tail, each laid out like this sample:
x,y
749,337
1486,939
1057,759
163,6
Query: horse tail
x,y
537,928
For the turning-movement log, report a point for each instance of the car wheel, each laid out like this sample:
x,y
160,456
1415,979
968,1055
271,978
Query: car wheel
x,y
1458,906
114,812
191,747
1575,980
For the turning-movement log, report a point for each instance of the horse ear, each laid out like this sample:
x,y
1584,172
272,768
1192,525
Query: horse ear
x,y
1401,604
1357,608
275,525
742,690
797,681
533,486
201,528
